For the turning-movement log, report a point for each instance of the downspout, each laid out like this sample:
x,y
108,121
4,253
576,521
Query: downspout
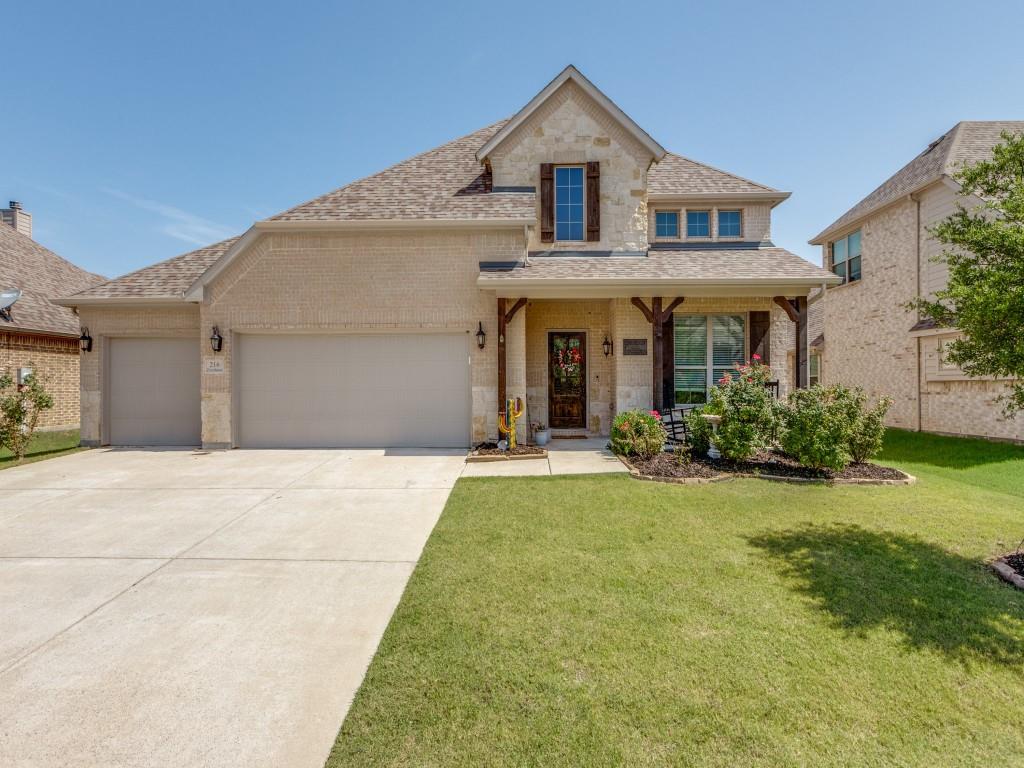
x,y
917,270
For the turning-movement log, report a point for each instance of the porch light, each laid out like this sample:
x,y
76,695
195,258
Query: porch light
x,y
606,345
85,341
216,340
481,337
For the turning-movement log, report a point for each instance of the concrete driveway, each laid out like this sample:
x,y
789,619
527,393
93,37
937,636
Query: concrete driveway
x,y
179,608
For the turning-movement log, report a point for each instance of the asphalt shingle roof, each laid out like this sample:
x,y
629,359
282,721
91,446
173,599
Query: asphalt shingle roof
x,y
168,279
965,142
755,264
676,174
41,275
443,183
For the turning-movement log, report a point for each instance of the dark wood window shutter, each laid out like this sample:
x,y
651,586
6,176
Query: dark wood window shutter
x,y
593,202
668,363
760,335
547,203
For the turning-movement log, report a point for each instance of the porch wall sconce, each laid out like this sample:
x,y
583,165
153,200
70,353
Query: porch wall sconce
x,y
216,340
606,345
85,341
481,337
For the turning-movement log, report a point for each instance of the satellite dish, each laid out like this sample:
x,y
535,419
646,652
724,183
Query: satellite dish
x,y
8,296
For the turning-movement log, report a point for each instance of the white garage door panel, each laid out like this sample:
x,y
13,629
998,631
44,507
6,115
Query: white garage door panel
x,y
306,391
154,392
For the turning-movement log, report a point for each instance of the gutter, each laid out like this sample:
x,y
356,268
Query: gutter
x,y
822,237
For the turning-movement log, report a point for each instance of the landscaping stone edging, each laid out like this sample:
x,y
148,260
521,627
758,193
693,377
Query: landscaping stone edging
x,y
1006,573
471,459
907,479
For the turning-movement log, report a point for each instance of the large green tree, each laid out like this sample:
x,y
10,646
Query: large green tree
x,y
985,295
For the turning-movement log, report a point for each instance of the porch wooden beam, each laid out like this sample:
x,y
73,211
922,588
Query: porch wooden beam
x,y
502,358
788,307
658,371
639,304
520,303
671,307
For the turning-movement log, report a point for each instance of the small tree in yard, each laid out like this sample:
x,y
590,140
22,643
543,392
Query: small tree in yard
x,y
985,295
20,409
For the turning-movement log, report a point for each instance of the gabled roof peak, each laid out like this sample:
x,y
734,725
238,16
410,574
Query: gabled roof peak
x,y
571,73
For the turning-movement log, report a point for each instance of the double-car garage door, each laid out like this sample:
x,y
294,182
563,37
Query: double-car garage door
x,y
299,391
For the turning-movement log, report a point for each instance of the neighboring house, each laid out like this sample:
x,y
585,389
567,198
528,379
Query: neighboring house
x,y
562,256
33,330
882,250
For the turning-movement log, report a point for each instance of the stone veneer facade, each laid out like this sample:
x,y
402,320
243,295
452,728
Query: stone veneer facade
x,y
868,342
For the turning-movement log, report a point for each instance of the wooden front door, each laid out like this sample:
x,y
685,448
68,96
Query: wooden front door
x,y
567,380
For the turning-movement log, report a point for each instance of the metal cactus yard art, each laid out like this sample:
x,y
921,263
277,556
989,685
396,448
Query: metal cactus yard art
x,y
507,420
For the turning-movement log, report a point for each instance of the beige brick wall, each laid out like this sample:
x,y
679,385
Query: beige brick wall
x,y
138,322
867,340
569,129
409,280
55,361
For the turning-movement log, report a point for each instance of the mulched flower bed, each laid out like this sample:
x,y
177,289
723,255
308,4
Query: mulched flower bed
x,y
763,463
491,449
1016,561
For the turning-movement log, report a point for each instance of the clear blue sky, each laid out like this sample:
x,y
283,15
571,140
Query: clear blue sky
x,y
137,131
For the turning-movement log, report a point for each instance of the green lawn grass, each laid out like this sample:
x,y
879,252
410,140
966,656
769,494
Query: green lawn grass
x,y
600,621
44,445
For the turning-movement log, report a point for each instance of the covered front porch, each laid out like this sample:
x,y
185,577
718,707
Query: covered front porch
x,y
578,361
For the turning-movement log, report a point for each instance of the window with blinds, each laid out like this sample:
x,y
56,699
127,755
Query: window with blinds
x,y
706,348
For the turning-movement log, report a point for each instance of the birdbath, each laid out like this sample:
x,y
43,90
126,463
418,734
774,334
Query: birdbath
x,y
714,421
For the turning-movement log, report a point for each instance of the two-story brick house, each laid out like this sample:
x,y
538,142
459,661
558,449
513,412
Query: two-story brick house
x,y
885,256
562,256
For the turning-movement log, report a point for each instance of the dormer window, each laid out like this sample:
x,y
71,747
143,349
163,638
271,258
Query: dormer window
x,y
698,223
666,224
569,203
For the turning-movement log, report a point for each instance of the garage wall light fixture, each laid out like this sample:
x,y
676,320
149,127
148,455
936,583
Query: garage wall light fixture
x,y
481,337
216,340
606,345
85,341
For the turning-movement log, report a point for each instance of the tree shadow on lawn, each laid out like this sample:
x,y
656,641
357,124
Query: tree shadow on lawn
x,y
935,599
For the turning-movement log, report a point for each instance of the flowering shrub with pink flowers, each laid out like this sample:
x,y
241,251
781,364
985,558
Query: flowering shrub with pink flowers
x,y
638,433
747,409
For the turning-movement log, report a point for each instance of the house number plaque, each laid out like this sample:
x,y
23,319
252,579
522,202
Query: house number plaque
x,y
634,346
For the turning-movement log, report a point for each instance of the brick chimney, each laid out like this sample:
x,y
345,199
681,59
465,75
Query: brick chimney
x,y
15,217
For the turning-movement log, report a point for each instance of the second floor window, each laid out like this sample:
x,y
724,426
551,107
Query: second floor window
x,y
666,224
846,257
729,224
698,223
569,203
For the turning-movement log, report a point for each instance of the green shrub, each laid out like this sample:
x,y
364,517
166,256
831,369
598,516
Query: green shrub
x,y
746,408
20,409
817,425
638,433
869,431
699,431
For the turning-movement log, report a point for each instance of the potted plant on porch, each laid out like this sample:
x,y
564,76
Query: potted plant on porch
x,y
541,433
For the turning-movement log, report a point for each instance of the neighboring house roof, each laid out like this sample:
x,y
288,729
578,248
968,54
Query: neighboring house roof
x,y
965,142
684,266
443,183
166,280
41,275
571,73
678,175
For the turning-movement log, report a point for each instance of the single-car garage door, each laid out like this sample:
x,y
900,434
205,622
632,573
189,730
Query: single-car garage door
x,y
353,391
154,392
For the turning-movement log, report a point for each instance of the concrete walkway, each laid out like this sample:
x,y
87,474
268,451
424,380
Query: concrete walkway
x,y
565,457
189,609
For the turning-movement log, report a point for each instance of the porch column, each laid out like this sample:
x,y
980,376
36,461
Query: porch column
x,y
796,310
657,317
505,316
